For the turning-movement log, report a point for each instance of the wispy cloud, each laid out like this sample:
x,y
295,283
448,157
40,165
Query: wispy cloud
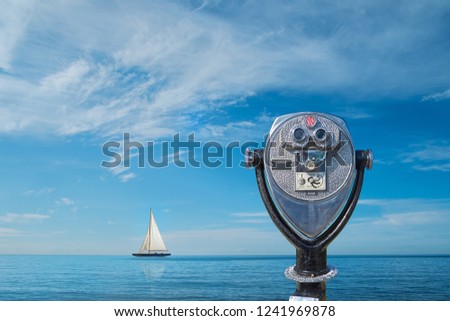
x,y
438,150
250,214
228,241
415,218
251,217
65,201
15,16
438,96
354,113
63,80
39,192
403,202
244,130
158,154
126,177
252,221
407,212
22,218
374,202
435,167
428,156
397,226
6,232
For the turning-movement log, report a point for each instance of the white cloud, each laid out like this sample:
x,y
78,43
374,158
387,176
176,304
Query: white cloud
x,y
382,162
435,167
428,156
62,80
242,129
65,201
14,16
429,151
228,241
42,191
438,96
372,201
251,218
250,214
396,226
415,218
403,202
5,232
126,177
156,68
22,218
354,113
407,212
251,221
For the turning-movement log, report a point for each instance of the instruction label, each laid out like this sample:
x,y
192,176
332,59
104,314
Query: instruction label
x,y
310,181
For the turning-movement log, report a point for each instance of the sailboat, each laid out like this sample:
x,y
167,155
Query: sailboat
x,y
153,244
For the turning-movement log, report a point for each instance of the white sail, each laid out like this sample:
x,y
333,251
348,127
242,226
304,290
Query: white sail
x,y
153,242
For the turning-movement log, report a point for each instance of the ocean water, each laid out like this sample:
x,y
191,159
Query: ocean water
x,y
216,278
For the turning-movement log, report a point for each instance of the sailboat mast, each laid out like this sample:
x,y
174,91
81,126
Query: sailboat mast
x,y
149,230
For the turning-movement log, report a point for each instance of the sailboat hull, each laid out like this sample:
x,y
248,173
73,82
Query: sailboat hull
x,y
150,254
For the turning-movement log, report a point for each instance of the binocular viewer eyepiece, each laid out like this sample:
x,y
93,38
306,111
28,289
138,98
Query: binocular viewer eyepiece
x,y
309,177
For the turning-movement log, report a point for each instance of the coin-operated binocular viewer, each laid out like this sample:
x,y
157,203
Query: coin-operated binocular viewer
x,y
309,177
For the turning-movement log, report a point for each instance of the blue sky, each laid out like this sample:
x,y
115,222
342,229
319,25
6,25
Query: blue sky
x,y
74,75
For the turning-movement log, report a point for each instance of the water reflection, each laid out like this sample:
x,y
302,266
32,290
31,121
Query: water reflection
x,y
153,270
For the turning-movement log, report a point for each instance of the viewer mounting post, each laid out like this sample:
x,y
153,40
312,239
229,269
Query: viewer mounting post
x,y
309,177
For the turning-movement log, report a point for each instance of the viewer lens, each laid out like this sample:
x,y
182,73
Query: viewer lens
x,y
321,135
299,134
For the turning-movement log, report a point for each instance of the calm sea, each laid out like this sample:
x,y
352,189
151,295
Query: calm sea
x,y
215,278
